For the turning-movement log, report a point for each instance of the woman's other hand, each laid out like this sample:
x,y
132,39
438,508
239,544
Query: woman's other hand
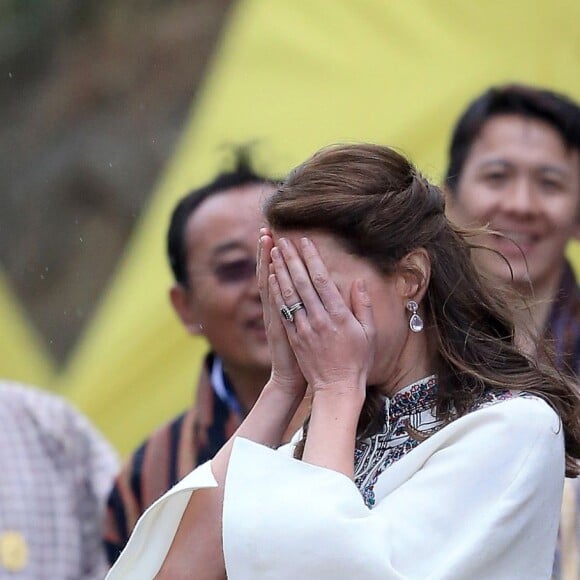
x,y
286,373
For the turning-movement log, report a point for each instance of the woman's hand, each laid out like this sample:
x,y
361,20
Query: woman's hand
x,y
333,344
286,373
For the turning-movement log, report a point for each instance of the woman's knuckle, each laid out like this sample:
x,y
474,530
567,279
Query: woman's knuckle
x,y
316,321
300,282
320,279
338,314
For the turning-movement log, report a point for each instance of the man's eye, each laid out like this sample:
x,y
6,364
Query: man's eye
x,y
551,185
237,271
495,178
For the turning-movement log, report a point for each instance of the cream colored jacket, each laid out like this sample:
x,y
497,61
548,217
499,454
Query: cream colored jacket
x,y
480,499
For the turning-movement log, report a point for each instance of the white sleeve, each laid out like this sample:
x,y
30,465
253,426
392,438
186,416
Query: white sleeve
x,y
480,499
151,539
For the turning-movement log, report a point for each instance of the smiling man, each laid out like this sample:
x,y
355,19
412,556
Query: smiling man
x,y
514,164
212,243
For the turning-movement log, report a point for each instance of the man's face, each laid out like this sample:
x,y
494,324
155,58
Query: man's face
x,y
521,179
223,299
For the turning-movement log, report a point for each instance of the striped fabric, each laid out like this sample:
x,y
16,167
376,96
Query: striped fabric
x,y
563,332
171,453
563,329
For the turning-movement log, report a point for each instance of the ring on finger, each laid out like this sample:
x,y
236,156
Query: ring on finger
x,y
288,311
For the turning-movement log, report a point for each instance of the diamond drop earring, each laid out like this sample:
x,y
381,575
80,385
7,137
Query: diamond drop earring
x,y
415,322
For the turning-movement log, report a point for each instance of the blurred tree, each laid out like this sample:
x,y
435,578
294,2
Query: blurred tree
x,y
93,95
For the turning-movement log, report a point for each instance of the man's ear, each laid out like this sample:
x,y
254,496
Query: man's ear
x,y
414,274
182,303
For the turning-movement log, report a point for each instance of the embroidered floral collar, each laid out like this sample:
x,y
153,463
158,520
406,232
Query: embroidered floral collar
x,y
409,419
407,413
417,396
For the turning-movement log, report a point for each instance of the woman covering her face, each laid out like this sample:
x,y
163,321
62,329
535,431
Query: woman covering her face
x,y
434,447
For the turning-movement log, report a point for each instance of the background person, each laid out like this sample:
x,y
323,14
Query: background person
x,y
514,163
419,457
56,473
211,244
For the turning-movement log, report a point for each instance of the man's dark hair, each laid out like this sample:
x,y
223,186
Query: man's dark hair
x,y
559,111
242,174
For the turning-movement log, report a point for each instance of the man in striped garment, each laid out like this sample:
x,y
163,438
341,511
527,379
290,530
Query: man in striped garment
x,y
212,243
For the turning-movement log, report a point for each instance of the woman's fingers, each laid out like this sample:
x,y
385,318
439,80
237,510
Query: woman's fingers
x,y
307,282
265,245
276,300
323,284
332,336
362,308
288,292
304,277
277,303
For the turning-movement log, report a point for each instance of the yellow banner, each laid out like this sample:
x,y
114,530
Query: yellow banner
x,y
24,357
295,76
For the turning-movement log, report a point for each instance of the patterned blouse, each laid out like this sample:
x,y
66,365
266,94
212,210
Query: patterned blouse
x,y
409,419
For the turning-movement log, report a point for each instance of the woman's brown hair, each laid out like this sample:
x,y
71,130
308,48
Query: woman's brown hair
x,y
376,203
